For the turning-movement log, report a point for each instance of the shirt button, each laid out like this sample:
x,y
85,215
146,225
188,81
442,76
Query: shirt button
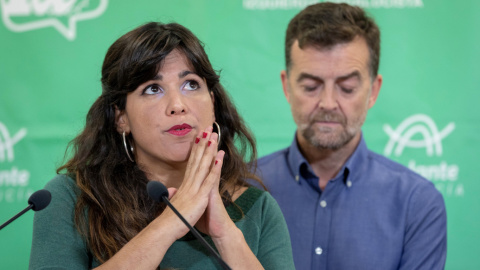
x,y
297,178
318,250
349,183
323,203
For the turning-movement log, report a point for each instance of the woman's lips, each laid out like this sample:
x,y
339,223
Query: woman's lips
x,y
180,130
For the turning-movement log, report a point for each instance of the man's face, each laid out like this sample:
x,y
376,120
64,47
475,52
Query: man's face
x,y
329,92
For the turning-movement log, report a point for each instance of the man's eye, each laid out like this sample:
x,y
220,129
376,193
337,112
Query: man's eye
x,y
191,85
307,88
152,89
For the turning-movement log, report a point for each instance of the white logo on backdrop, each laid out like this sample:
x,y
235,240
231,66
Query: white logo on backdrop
x,y
7,143
47,13
299,4
13,182
444,175
416,124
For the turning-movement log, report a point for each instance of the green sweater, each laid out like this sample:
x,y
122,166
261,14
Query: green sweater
x,y
57,244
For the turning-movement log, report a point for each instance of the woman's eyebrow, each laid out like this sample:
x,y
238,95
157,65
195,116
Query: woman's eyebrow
x,y
185,73
181,75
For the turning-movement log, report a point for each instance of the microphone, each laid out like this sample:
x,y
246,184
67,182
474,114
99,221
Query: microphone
x,y
159,193
37,201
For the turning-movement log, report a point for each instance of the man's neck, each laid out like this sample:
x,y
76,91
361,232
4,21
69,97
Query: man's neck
x,y
326,163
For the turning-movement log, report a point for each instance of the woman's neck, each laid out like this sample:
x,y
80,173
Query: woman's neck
x,y
171,175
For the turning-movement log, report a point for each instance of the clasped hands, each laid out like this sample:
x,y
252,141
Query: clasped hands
x,y
198,198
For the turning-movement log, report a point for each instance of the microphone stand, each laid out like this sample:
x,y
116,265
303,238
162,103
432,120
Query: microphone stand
x,y
30,206
198,236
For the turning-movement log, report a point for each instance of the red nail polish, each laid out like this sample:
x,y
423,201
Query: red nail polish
x,y
209,142
197,140
204,135
216,161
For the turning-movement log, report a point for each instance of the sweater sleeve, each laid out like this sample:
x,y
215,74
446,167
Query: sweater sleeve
x,y
275,250
56,244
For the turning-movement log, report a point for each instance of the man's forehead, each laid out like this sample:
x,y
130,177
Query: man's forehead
x,y
310,45
358,41
351,55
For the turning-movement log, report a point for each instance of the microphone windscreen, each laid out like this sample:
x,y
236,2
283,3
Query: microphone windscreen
x,y
157,190
40,199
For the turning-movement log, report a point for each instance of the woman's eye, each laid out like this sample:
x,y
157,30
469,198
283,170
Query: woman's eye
x,y
152,89
347,90
191,85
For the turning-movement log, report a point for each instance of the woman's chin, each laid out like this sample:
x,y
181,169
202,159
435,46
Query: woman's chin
x,y
179,156
167,157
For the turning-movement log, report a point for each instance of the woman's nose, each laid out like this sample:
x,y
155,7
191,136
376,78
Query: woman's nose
x,y
176,104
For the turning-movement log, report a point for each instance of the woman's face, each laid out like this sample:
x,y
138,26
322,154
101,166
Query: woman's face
x,y
165,114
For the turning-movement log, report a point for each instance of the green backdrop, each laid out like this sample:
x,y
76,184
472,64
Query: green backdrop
x,y
426,117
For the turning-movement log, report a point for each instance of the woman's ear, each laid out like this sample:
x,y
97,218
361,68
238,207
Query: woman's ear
x,y
121,121
212,97
213,103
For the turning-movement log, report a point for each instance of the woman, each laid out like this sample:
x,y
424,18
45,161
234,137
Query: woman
x,y
154,121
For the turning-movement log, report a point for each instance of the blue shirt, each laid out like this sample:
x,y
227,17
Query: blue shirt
x,y
375,214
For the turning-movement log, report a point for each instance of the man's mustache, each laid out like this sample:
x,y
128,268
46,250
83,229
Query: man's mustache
x,y
328,117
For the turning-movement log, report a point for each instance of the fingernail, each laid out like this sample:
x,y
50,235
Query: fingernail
x,y
197,140
216,161
204,135
209,142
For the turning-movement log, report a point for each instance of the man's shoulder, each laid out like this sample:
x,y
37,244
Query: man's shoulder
x,y
386,169
388,164
273,158
273,167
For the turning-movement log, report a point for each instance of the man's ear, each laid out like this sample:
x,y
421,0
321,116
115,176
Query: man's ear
x,y
376,85
285,84
121,121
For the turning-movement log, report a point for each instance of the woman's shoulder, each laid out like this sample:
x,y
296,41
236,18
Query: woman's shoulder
x,y
251,199
248,195
62,186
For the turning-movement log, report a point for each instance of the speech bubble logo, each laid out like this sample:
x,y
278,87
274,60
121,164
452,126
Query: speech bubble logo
x,y
28,15
416,124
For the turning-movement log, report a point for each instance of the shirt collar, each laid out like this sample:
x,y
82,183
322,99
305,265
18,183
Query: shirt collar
x,y
352,168
356,162
296,161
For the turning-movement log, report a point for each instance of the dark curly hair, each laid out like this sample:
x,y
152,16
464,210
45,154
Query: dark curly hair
x,y
113,205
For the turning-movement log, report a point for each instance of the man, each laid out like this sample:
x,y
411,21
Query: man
x,y
346,207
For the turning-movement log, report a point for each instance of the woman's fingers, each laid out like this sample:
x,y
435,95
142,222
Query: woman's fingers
x,y
213,179
215,221
197,152
201,177
202,157
205,164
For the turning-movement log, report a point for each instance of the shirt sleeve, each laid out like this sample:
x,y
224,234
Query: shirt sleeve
x,y
56,244
275,250
425,245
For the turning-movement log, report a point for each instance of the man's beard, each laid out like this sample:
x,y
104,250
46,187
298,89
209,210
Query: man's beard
x,y
328,137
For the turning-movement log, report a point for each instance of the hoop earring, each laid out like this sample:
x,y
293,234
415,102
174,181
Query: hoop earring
x,y
218,131
126,148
